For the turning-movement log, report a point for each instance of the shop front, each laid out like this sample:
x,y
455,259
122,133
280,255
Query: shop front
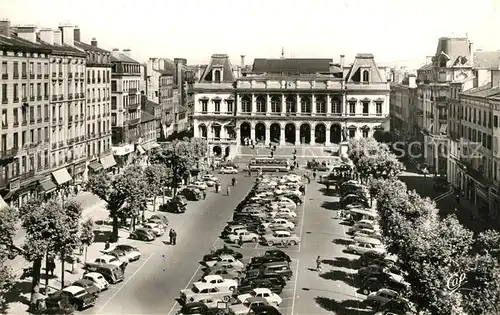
x,y
78,172
47,188
108,163
22,189
63,179
95,167
123,155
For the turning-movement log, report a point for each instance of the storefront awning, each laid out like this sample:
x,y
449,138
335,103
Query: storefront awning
x,y
108,161
3,204
140,149
48,186
61,176
95,166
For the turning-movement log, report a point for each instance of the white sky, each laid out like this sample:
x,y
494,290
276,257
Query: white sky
x,y
402,31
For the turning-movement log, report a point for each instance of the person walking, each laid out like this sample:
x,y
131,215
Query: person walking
x,y
314,175
217,187
51,266
174,237
228,190
171,236
106,245
318,264
204,194
240,241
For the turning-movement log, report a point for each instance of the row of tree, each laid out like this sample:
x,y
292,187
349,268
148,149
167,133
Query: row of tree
x,y
430,249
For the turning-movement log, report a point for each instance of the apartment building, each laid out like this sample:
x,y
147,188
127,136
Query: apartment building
x,y
402,108
98,110
126,76
148,132
24,136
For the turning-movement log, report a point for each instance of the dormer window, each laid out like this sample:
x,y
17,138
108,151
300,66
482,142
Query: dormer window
x,y
366,76
442,62
217,76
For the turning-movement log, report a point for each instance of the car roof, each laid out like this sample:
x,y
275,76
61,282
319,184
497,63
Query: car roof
x,y
389,291
212,277
226,256
83,281
282,232
203,285
105,256
275,251
73,289
93,274
262,290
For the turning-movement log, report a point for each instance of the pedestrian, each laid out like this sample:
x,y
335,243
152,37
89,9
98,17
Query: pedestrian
x,y
318,264
457,198
174,237
228,190
240,241
106,245
204,195
217,187
233,181
123,266
249,172
51,266
272,154
314,175
171,237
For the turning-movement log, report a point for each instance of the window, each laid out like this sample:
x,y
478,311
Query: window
x,y
4,93
32,90
305,104
16,140
15,113
46,111
217,76
16,70
217,106
320,105
16,92
32,68
352,108
378,108
365,108
32,114
23,69
113,119
495,121
275,104
204,106
352,133
4,118
23,92
366,76
39,89
4,70
365,133
229,106
336,105
261,104
39,111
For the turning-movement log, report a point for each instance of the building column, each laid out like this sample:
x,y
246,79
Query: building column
x,y
328,105
313,105
268,133
252,133
282,135
254,105
297,135
299,110
344,105
268,105
328,126
313,134
283,105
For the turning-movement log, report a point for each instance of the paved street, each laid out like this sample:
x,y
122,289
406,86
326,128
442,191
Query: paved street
x,y
152,284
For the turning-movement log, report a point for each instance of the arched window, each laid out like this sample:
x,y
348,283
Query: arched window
x,y
335,103
261,104
275,104
320,105
291,105
366,76
217,75
246,106
305,104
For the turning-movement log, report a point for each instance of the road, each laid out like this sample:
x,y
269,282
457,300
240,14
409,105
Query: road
x,y
153,283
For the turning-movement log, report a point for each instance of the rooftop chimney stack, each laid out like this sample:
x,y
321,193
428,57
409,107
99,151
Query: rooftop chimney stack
x,y
76,34
27,32
126,52
93,42
5,28
68,35
57,38
342,57
242,61
428,60
115,52
47,35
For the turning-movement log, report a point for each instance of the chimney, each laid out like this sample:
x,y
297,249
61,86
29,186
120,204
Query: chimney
x,y
93,42
68,35
57,37
76,34
47,35
5,28
342,57
242,61
126,52
412,81
428,60
495,78
27,32
115,52
471,48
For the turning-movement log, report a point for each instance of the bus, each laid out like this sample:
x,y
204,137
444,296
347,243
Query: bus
x,y
269,164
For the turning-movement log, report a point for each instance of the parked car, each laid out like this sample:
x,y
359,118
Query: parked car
x,y
278,253
121,255
284,223
231,229
192,194
222,251
381,297
132,252
159,216
248,306
245,235
224,272
108,259
219,282
88,285
370,258
97,279
384,280
155,228
210,180
76,296
275,287
257,261
205,289
228,170
281,237
198,185
271,298
363,224
142,234
194,308
273,277
370,270
362,247
368,233
224,260
264,310
173,205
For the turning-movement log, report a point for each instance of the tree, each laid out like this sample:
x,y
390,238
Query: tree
x,y
87,234
73,212
157,176
46,229
8,221
129,187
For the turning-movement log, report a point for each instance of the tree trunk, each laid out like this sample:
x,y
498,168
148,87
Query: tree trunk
x,y
86,249
114,234
63,257
154,203
46,270
35,282
163,194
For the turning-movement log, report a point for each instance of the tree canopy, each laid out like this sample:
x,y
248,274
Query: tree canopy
x,y
8,221
157,177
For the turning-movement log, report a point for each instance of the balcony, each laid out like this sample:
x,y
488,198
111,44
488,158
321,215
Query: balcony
x,y
32,121
32,98
54,97
61,144
61,75
76,117
8,154
24,99
132,91
70,118
54,75
134,121
16,124
16,75
16,99
82,95
133,106
46,119
25,123
38,76
5,100
60,120
39,120
45,97
39,98
70,75
54,120
54,146
70,96
27,175
82,138
32,76
61,97
24,76
71,141
5,76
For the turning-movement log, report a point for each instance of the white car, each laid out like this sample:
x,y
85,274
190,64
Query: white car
x,y
283,223
210,180
155,228
361,248
225,260
228,170
283,212
245,235
108,259
363,224
198,184
133,253
219,282
200,289
295,192
381,297
275,205
271,298
97,279
293,178
280,237
368,233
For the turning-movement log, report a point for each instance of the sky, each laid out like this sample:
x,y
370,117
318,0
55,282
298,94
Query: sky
x,y
397,32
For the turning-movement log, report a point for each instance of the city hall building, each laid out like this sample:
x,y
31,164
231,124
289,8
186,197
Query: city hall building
x,y
289,101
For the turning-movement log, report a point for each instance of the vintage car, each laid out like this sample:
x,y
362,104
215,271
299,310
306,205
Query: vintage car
x,y
281,237
381,297
198,184
219,282
210,180
363,245
108,259
224,260
283,203
222,251
97,279
248,306
245,235
132,252
368,233
228,170
142,234
283,223
224,272
274,286
204,289
363,224
88,285
76,296
272,298
155,228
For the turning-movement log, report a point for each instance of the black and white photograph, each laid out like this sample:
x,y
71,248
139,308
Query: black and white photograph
x,y
244,157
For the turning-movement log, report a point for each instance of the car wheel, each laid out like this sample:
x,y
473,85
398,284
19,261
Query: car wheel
x,y
354,252
232,289
277,170
254,240
365,291
226,298
293,243
132,236
270,243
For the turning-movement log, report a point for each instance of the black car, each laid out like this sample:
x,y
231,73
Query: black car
x,y
264,310
196,308
371,258
173,206
278,253
78,297
88,285
192,194
256,262
384,280
397,306
274,277
248,286
221,251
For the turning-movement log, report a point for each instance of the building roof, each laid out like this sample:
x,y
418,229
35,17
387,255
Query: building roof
x,y
292,65
62,49
218,61
121,57
426,67
164,72
482,91
145,116
453,49
14,42
88,47
487,59
361,62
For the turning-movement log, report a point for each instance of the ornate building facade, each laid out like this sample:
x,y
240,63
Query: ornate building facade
x,y
289,101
